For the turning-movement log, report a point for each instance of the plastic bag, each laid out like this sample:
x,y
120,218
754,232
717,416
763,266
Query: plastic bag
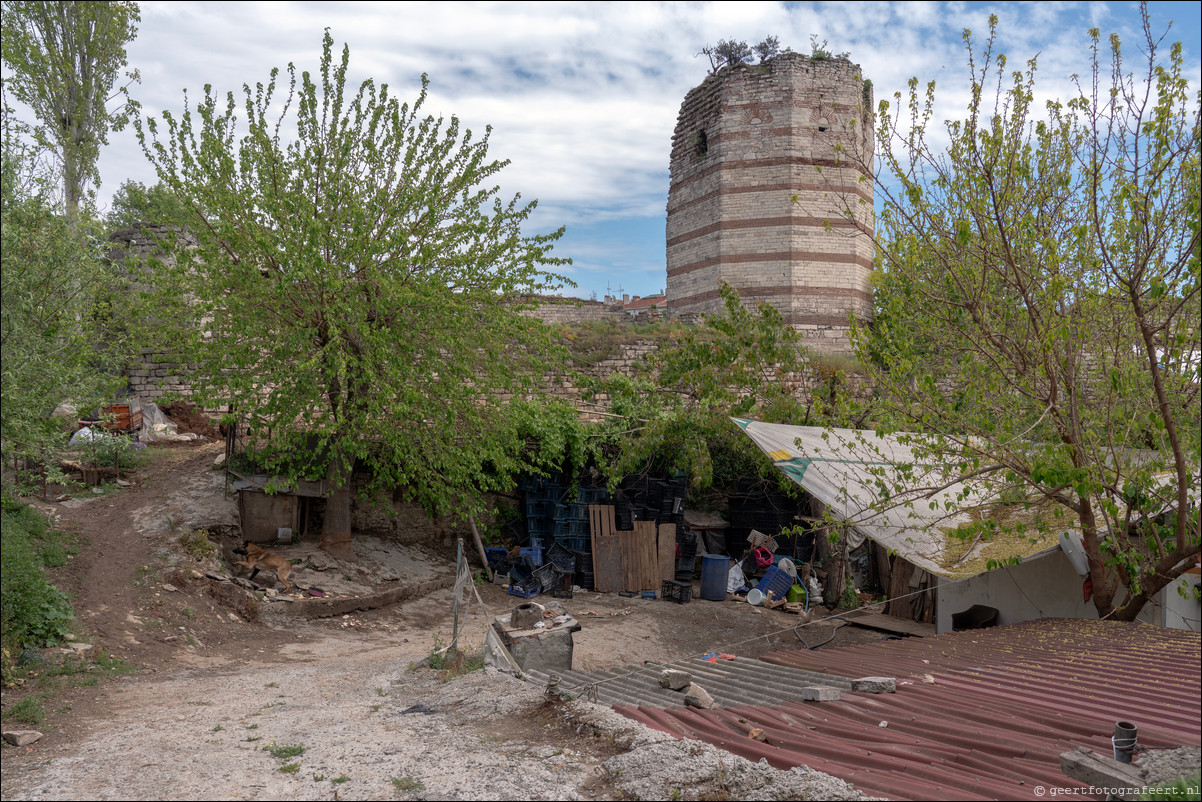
x,y
735,579
763,557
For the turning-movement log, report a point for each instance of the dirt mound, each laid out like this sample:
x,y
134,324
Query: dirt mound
x,y
190,419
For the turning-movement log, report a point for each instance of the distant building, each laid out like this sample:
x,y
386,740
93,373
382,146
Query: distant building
x,y
766,161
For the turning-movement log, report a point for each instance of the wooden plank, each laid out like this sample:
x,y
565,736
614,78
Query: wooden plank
x,y
890,623
646,556
607,569
1102,771
667,552
628,544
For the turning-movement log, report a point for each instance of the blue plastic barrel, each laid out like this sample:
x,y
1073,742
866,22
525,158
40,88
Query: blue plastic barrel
x,y
714,569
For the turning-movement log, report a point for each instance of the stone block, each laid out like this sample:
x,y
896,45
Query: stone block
x,y
874,685
674,680
821,693
21,737
699,697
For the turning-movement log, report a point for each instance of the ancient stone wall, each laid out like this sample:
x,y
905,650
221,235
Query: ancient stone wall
x,y
767,161
154,373
559,311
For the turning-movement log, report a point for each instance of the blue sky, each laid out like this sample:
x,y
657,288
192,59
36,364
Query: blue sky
x,y
583,97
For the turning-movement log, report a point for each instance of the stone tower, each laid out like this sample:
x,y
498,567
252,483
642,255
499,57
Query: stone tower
x,y
767,160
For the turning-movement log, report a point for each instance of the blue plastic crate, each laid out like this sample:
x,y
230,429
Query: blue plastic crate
x,y
494,555
580,544
524,591
533,555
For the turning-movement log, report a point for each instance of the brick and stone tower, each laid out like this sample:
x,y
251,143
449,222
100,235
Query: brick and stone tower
x,y
767,161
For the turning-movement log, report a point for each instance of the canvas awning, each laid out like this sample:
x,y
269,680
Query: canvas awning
x,y
857,475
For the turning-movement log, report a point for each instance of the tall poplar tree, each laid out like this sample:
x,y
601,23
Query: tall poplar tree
x,y
64,59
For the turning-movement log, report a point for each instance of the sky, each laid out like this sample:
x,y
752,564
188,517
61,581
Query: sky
x,y
583,97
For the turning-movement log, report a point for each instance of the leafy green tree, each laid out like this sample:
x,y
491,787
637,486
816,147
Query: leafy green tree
x,y
135,203
350,288
676,416
1038,309
65,58
52,302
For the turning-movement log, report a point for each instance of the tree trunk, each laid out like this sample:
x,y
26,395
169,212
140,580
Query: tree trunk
x,y
336,528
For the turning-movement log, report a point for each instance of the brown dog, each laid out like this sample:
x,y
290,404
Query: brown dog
x,y
257,558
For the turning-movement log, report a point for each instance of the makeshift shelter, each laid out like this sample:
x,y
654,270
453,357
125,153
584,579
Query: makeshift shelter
x,y
879,487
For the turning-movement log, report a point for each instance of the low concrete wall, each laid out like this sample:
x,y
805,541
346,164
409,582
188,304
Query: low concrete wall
x,y
1046,587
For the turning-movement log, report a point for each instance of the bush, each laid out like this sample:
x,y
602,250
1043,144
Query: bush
x,y
32,611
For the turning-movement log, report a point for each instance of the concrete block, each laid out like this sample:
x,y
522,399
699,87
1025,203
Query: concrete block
x,y
821,693
874,685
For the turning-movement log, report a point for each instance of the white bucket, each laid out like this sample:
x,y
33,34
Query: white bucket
x,y
788,567
283,535
754,597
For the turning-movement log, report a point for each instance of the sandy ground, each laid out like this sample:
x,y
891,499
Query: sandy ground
x,y
216,690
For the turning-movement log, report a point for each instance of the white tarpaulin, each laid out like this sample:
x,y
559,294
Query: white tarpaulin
x,y
877,486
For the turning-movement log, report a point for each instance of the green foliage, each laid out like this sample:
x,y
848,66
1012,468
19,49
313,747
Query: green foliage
x,y
353,284
407,784
113,448
1038,310
675,417
1184,788
284,752
54,310
135,203
65,58
27,710
32,611
197,544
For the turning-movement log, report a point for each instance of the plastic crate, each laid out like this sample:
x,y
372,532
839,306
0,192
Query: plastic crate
x,y
495,556
533,555
561,558
648,594
563,588
546,576
526,589
676,591
579,544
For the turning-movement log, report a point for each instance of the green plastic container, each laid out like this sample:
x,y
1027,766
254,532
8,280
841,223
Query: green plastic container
x,y
795,593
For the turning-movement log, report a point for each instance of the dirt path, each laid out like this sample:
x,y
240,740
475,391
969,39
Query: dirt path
x,y
214,689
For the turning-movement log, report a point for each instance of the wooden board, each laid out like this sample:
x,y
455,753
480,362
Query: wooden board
x,y
667,552
607,565
889,623
640,558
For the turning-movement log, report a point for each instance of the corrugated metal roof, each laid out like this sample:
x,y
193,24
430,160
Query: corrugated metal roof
x,y
730,682
977,715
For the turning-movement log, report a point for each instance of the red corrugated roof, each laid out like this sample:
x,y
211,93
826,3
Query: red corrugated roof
x,y
646,303
1003,704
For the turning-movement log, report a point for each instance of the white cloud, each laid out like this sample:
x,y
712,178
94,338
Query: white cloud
x,y
583,97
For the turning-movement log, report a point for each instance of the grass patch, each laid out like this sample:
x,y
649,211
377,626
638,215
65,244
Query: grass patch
x,y
407,784
33,612
450,665
340,779
1185,788
284,752
28,710
197,544
291,768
